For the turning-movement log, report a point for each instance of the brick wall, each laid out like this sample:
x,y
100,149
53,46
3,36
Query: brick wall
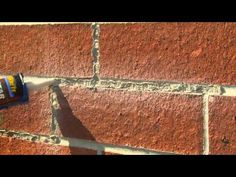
x,y
126,88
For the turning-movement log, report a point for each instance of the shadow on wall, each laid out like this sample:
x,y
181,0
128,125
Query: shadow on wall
x,y
69,124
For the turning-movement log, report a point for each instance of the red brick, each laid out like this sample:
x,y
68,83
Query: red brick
x,y
33,117
184,52
12,146
70,50
55,50
222,125
150,120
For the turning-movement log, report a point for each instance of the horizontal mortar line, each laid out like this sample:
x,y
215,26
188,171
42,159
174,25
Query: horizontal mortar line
x,y
118,23
55,23
167,87
105,23
118,85
30,77
110,148
147,87
62,79
228,90
40,23
80,143
153,86
164,81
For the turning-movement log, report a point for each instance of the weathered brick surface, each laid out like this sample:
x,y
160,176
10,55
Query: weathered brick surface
x,y
33,117
70,50
150,120
11,146
222,125
184,52
47,50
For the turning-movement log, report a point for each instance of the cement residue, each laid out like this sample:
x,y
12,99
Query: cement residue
x,y
151,86
95,53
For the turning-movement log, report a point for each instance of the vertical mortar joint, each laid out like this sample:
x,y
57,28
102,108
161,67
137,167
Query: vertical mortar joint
x,y
54,107
95,54
206,145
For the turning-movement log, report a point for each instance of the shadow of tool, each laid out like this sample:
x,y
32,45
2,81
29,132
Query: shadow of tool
x,y
68,124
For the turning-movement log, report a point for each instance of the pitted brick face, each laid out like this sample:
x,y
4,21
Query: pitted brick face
x,y
222,117
46,50
34,117
149,120
183,52
124,88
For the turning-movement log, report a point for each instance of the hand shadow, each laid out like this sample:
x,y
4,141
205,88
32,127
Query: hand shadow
x,y
69,125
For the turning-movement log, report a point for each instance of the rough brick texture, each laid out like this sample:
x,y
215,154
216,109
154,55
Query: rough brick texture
x,y
57,50
34,117
10,146
150,120
222,118
201,53
184,52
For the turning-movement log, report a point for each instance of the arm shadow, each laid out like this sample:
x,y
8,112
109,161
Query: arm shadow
x,y
70,125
